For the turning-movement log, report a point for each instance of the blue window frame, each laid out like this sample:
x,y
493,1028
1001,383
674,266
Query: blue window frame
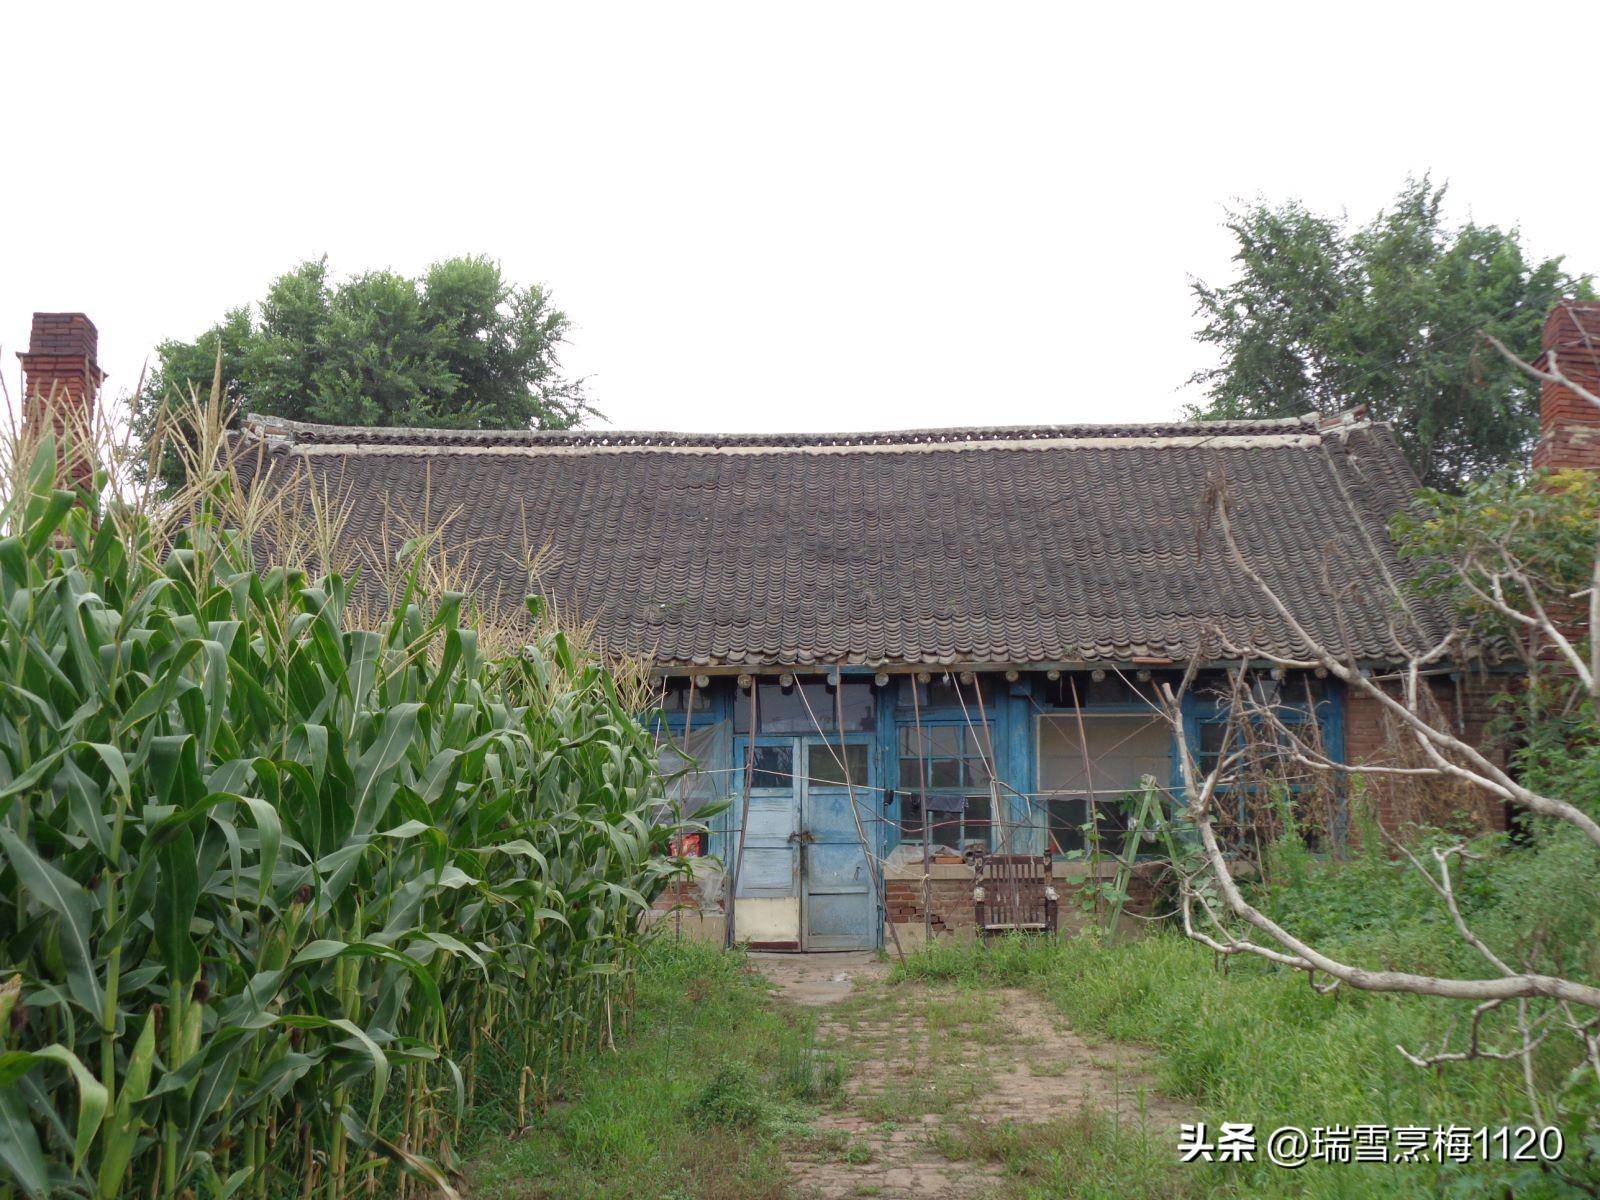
x,y
943,769
1091,765
1296,702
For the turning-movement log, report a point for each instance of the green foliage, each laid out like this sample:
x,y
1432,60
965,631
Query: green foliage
x,y
1321,317
1486,541
273,885
457,348
1542,525
732,1099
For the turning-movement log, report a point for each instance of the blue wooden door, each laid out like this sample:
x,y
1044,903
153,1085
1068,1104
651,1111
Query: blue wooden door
x,y
766,911
839,908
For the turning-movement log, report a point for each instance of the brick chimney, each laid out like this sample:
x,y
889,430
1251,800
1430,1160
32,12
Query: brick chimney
x,y
61,379
1569,426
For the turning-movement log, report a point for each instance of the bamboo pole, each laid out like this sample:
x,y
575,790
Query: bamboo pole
x,y
1092,808
849,787
744,816
927,821
688,728
994,779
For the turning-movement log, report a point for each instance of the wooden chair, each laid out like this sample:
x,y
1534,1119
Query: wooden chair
x,y
1013,892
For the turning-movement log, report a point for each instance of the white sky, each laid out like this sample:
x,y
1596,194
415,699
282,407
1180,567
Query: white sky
x,y
764,217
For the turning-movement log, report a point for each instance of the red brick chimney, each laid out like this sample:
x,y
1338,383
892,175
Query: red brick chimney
x,y
1569,425
61,379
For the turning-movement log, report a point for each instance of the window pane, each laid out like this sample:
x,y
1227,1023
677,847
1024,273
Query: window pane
x,y
860,708
786,712
944,773
1082,688
947,694
975,772
1067,815
910,818
676,697
911,770
774,767
978,743
823,766
1111,820
1120,752
947,830
1069,819
783,711
978,828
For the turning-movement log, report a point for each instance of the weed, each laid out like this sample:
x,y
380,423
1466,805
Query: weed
x,y
692,1105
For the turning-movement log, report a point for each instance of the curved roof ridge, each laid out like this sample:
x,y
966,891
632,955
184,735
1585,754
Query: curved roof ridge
x,y
311,433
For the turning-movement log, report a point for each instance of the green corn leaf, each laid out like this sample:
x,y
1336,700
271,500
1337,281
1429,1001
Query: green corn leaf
x,y
92,1097
20,1151
74,912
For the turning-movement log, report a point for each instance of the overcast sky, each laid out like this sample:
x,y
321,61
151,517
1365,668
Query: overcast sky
x,y
766,217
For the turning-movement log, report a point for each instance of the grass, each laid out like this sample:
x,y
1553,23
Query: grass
x,y
714,1084
694,1103
1246,1041
1084,1157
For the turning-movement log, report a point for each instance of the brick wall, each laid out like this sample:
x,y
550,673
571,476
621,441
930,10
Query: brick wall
x,y
1372,735
61,380
1569,426
954,913
951,907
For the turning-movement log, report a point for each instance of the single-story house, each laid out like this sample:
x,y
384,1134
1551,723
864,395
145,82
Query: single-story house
x,y
865,638
860,636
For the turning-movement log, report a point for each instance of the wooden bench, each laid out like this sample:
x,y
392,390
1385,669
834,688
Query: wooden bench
x,y
1013,893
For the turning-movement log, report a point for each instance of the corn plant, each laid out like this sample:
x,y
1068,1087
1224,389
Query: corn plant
x,y
277,885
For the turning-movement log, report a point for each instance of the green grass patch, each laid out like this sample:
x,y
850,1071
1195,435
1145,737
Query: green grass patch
x,y
692,1104
1247,1041
1089,1156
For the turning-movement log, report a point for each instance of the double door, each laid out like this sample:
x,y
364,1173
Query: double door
x,y
804,882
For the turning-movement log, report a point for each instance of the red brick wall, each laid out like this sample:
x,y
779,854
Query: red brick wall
x,y
1569,426
678,894
952,903
954,912
1372,735
61,379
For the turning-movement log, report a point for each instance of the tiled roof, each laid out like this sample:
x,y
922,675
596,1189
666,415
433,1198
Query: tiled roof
x,y
1012,545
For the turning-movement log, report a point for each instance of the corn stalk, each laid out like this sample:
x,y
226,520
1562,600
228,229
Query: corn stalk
x,y
275,886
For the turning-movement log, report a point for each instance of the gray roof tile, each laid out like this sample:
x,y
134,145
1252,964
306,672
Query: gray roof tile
x,y
1003,545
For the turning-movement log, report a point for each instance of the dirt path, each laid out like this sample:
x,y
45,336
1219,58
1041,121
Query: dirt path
x,y
930,1072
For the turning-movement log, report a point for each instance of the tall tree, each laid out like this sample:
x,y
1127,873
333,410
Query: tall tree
x,y
1321,317
458,348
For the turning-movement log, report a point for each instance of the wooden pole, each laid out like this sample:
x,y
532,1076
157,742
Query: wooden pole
x,y
849,787
744,815
994,780
927,821
1092,808
688,727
